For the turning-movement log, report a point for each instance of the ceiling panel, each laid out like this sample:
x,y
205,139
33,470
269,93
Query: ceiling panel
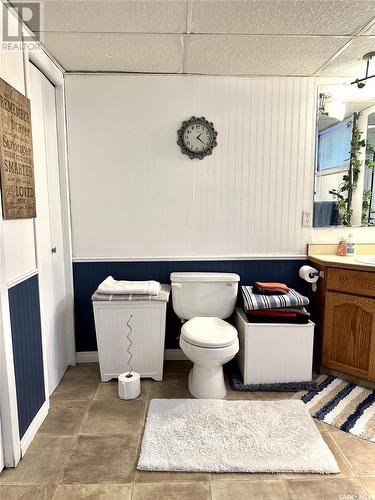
x,y
116,52
133,16
252,55
370,30
349,62
332,17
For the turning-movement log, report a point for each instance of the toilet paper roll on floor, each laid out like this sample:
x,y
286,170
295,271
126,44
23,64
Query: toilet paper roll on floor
x,y
129,385
309,274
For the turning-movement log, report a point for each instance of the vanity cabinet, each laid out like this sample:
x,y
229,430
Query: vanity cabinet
x,y
345,307
349,334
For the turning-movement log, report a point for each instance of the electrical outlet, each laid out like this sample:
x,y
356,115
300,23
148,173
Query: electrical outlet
x,y
307,218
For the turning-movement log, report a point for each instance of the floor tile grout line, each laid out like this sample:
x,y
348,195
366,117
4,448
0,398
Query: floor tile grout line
x,y
69,456
52,435
365,487
132,490
54,491
343,457
140,435
209,486
342,453
286,488
143,423
53,483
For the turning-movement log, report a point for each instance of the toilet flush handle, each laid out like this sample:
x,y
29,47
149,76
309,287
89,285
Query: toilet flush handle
x,y
177,285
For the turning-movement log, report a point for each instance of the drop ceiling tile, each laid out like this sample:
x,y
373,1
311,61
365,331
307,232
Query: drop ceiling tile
x,y
370,30
116,52
311,17
133,16
350,62
258,55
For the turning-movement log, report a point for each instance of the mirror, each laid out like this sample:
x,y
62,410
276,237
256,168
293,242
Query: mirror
x,y
345,159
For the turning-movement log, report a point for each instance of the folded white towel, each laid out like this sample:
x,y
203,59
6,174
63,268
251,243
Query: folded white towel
x,y
111,286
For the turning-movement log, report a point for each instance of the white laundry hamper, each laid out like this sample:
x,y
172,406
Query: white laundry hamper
x,y
146,317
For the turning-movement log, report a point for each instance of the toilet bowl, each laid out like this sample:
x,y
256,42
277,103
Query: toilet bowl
x,y
206,300
209,342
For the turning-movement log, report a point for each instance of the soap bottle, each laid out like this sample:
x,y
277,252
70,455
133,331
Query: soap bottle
x,y
342,247
350,245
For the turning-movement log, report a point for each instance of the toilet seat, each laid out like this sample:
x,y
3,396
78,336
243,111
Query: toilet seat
x,y
208,332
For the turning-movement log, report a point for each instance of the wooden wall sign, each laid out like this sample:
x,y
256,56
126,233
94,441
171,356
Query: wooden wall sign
x,y
16,154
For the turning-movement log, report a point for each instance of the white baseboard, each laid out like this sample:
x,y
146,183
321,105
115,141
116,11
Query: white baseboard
x,y
34,427
174,355
92,356
87,357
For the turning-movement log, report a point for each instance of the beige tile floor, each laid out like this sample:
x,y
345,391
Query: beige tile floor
x,y
89,444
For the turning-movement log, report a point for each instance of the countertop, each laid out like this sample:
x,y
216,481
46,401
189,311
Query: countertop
x,y
326,255
343,262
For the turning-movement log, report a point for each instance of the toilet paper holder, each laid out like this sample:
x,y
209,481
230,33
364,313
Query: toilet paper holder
x,y
311,275
320,274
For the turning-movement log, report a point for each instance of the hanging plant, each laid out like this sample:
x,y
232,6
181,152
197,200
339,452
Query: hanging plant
x,y
368,214
344,193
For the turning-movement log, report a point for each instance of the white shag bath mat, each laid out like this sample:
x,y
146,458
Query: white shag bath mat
x,y
200,435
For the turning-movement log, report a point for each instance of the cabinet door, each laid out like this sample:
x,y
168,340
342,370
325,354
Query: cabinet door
x,y
349,335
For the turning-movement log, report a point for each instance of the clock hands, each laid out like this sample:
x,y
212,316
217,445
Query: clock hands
x,y
199,138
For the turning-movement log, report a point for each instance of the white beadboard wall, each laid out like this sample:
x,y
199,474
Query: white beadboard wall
x,y
19,242
134,195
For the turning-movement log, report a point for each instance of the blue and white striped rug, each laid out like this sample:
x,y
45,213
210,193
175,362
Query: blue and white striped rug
x,y
347,406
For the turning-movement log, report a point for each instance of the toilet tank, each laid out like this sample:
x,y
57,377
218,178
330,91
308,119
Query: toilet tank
x,y
204,294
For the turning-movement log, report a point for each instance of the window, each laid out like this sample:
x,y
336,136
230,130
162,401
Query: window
x,y
334,145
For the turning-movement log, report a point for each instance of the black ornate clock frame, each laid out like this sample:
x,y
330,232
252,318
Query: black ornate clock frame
x,y
201,154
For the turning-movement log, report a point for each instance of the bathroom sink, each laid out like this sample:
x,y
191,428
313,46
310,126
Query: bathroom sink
x,y
366,259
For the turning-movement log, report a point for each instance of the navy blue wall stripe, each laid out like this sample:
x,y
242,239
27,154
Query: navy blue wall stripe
x,y
27,350
88,275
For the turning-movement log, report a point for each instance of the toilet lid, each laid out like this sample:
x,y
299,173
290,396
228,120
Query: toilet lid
x,y
208,332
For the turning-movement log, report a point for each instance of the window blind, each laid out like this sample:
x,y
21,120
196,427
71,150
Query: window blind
x,y
334,145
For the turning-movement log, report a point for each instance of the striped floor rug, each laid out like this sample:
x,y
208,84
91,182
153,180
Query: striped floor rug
x,y
349,407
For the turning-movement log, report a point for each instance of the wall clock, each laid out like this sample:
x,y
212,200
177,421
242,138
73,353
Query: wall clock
x,y
197,137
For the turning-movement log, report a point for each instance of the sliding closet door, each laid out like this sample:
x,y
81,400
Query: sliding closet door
x,y
48,226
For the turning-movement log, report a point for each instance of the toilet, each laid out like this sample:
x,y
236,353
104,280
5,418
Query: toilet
x,y
203,301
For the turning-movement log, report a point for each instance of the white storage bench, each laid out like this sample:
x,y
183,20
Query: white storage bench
x,y
112,312
274,352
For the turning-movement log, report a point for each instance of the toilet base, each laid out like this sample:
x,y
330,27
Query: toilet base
x,y
207,382
206,378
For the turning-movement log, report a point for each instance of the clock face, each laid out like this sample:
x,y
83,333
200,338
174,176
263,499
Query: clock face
x,y
197,137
